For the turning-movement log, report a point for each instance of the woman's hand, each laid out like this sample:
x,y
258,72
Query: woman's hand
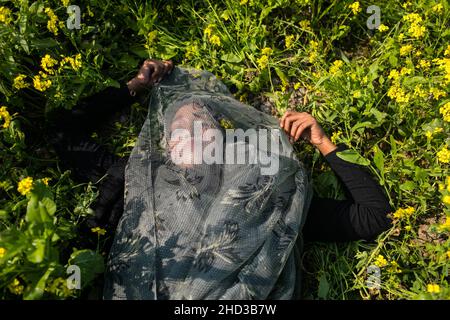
x,y
151,72
302,124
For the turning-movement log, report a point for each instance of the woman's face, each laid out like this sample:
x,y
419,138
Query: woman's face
x,y
182,142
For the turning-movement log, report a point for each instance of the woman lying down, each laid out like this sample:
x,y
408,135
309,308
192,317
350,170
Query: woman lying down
x,y
212,203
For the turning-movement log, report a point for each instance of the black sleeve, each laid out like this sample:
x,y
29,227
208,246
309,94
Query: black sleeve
x,y
362,216
69,134
90,113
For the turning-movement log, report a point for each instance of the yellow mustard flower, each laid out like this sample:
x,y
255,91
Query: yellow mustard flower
x,y
401,36
448,254
74,62
208,30
40,81
447,51
305,24
52,23
266,51
313,56
19,82
433,288
419,92
5,116
25,185
336,66
444,64
47,64
416,29
446,199
5,15
226,124
404,71
65,3
394,267
438,8
215,40
446,224
437,93
2,252
289,41
404,50
46,181
396,93
356,7
336,136
380,261
403,212
243,2
297,85
443,155
98,231
445,111
15,287
424,64
263,61
383,28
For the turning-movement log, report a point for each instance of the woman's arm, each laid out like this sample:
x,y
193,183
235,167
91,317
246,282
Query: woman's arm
x,y
364,215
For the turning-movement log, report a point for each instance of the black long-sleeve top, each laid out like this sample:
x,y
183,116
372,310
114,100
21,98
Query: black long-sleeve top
x,y
362,216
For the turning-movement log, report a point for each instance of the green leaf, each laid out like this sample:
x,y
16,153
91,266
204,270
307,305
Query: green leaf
x,y
324,287
378,159
408,186
36,290
231,57
90,264
353,157
37,255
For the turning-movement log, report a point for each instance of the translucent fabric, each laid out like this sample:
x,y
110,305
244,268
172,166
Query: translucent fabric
x,y
207,229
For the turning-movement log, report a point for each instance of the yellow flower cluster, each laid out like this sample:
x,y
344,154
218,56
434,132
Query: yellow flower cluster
x,y
383,28
437,93
429,134
433,288
356,8
336,67
289,41
19,82
314,45
398,94
404,50
446,224
267,51
445,111
214,39
25,185
444,64
98,231
75,62
447,51
403,212
263,61
416,29
40,81
443,155
394,267
4,114
419,92
15,287
47,64
380,261
5,15
52,23
2,252
335,136
438,8
446,199
46,181
305,24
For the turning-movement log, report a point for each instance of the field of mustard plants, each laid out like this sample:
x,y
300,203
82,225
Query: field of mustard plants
x,y
379,84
